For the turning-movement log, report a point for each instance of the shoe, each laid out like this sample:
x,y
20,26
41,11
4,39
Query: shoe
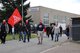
x,y
19,40
41,43
38,43
24,41
55,40
28,40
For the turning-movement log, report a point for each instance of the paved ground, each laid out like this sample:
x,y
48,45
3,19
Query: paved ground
x,y
15,46
68,47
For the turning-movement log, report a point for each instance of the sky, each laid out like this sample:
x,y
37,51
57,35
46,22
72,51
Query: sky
x,y
72,6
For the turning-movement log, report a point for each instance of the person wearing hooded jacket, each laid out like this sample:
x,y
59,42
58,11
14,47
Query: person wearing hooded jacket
x,y
3,32
28,30
20,31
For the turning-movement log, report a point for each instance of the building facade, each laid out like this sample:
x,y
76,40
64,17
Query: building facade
x,y
48,15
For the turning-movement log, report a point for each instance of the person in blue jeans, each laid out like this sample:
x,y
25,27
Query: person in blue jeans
x,y
20,36
56,37
24,33
20,28
24,36
56,32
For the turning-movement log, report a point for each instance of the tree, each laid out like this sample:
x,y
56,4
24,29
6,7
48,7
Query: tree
x,y
10,5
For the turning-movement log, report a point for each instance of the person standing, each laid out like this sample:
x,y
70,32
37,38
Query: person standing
x,y
67,31
48,31
24,33
28,30
60,31
3,32
40,28
20,29
56,32
52,31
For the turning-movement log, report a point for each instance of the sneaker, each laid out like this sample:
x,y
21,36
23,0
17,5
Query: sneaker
x,y
24,41
41,43
38,43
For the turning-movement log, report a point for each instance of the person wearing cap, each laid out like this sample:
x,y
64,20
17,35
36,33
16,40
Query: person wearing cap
x,y
3,32
28,30
40,28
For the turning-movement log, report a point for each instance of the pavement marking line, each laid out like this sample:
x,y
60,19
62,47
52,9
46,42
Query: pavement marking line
x,y
49,49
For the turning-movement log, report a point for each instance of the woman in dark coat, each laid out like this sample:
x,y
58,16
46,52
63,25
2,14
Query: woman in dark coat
x,y
61,31
48,31
52,30
67,31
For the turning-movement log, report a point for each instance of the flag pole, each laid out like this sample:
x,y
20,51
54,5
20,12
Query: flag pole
x,y
13,32
22,12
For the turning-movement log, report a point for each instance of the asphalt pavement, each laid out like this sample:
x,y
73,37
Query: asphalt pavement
x,y
68,47
15,46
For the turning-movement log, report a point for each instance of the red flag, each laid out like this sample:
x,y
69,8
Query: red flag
x,y
14,18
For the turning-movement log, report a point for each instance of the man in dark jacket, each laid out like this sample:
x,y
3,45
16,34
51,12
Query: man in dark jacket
x,y
40,28
28,30
20,29
24,33
3,32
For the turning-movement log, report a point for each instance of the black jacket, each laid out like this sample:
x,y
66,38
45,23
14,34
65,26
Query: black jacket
x,y
40,27
20,28
28,27
3,28
60,29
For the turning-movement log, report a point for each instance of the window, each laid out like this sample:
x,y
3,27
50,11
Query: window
x,y
55,18
46,15
45,21
65,18
34,9
46,18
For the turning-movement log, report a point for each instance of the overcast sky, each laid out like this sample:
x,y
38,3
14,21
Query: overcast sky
x,y
72,6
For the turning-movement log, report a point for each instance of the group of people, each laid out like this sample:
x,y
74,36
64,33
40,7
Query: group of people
x,y
54,29
25,30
